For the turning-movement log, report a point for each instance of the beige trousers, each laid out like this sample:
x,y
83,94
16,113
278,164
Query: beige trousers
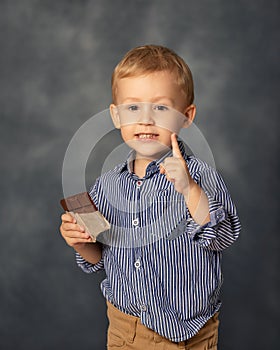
x,y
126,332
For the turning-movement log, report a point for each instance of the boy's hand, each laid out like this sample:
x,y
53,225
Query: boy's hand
x,y
176,170
73,233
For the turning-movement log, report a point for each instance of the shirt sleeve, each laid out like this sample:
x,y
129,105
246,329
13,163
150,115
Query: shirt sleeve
x,y
224,226
87,267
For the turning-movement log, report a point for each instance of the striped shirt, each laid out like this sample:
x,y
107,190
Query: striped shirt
x,y
160,265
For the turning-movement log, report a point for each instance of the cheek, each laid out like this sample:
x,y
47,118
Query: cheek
x,y
127,132
171,126
165,137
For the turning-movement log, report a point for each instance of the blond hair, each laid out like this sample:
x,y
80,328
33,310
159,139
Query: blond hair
x,y
153,58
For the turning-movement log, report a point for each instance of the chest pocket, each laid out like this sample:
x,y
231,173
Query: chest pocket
x,y
166,214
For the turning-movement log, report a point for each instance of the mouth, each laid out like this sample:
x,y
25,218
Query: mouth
x,y
146,136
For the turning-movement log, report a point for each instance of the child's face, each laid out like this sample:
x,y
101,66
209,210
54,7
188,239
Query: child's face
x,y
150,133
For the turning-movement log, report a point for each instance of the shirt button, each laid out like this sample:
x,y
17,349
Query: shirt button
x,y
143,308
219,215
135,222
137,264
139,183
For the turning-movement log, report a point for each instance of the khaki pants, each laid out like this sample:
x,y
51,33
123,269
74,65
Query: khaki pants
x,y
126,332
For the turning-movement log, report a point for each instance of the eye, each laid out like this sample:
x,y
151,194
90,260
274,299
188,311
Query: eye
x,y
133,108
161,108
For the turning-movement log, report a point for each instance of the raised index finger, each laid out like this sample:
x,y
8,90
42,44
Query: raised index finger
x,y
175,147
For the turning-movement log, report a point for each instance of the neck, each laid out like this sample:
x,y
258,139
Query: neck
x,y
140,166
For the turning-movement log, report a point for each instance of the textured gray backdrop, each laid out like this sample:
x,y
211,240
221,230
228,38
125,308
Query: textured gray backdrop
x,y
56,63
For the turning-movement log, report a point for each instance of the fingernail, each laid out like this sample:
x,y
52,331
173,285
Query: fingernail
x,y
82,228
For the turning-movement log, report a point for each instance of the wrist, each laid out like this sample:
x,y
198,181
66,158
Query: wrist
x,y
190,189
91,252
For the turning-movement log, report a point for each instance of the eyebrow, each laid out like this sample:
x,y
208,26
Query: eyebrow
x,y
160,98
156,99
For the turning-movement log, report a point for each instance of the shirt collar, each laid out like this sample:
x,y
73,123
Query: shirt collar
x,y
154,165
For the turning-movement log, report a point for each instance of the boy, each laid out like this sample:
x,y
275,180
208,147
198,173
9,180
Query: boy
x,y
170,214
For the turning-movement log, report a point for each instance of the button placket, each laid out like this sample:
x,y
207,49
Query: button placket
x,y
135,220
138,264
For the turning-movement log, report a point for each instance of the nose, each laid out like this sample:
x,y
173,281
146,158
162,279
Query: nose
x,y
146,116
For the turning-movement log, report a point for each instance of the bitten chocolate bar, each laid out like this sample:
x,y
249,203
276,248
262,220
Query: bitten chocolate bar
x,y
82,208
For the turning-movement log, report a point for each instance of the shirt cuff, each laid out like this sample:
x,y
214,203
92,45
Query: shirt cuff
x,y
88,267
207,231
216,217
216,210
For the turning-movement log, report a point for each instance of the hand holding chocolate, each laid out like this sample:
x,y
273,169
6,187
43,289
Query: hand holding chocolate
x,y
82,208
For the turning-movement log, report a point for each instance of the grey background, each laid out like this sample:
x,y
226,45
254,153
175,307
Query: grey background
x,y
56,63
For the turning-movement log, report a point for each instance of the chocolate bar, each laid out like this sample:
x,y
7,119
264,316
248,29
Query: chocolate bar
x,y
82,208
79,203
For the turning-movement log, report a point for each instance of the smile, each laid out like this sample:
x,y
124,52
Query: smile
x,y
148,136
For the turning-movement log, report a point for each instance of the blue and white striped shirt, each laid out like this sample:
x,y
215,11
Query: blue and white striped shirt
x,y
160,264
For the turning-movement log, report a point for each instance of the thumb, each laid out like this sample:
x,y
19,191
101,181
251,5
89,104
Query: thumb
x,y
175,147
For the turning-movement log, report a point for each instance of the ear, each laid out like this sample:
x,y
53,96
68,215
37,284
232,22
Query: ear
x,y
115,116
190,114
